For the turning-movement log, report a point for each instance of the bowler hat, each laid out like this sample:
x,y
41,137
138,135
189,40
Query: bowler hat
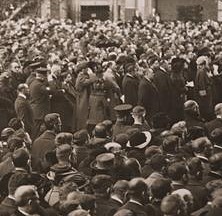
x,y
103,161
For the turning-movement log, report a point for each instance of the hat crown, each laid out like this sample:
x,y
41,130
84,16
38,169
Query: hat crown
x,y
103,161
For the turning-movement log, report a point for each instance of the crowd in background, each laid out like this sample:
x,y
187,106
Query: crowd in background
x,y
110,119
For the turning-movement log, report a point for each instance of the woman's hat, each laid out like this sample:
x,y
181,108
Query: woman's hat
x,y
139,140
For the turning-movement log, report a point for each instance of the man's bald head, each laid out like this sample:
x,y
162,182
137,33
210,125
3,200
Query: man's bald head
x,y
25,194
218,109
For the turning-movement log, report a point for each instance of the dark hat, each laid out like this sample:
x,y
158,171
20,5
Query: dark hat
x,y
123,109
103,161
139,140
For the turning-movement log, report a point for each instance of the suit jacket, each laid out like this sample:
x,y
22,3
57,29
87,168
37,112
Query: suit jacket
x,y
114,205
130,88
148,97
8,205
199,193
24,112
138,209
40,100
101,206
203,211
44,212
41,146
216,123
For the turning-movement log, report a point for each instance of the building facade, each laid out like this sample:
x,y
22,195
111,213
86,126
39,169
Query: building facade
x,y
83,10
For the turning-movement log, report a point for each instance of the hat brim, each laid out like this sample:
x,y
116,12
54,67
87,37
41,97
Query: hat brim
x,y
143,145
95,166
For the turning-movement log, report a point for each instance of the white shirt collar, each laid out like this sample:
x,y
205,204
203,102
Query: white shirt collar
x,y
11,197
25,213
22,95
20,169
114,197
136,202
219,117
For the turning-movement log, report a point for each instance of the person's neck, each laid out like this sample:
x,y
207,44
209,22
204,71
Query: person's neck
x,y
137,122
67,163
23,210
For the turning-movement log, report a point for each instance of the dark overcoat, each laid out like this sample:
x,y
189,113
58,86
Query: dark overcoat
x,y
163,83
148,97
130,89
204,83
83,83
39,99
41,146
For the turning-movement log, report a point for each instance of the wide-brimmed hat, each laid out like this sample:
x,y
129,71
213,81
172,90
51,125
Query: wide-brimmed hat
x,y
139,140
103,162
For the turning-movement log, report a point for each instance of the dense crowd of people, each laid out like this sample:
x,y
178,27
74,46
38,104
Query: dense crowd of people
x,y
110,119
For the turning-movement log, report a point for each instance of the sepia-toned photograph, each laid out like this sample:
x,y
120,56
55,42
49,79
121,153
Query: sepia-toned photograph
x,y
110,107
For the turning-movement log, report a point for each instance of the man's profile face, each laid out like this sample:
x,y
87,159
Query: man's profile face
x,y
15,67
